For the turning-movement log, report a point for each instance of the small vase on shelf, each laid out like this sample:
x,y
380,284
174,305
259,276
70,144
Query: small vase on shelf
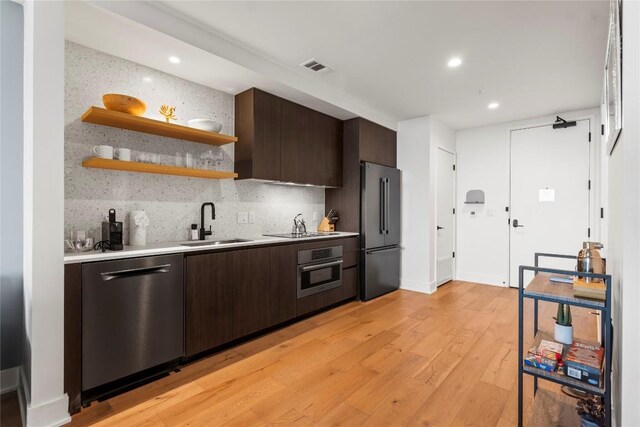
x,y
138,223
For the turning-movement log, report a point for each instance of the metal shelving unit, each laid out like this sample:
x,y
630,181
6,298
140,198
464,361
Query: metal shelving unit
x,y
542,289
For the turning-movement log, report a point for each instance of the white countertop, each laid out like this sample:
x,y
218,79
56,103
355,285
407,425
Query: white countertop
x,y
177,247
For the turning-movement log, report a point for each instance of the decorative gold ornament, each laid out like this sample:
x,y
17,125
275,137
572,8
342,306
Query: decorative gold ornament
x,y
167,112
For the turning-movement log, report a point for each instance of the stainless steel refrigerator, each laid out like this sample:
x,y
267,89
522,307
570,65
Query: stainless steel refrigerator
x,y
379,230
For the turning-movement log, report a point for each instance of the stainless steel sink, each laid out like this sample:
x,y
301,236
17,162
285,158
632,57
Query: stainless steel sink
x,y
215,242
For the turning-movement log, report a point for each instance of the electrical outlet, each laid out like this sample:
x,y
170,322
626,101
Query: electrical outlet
x,y
315,216
243,217
252,217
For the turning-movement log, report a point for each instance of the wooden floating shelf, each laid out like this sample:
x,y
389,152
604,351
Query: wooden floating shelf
x,y
116,119
119,165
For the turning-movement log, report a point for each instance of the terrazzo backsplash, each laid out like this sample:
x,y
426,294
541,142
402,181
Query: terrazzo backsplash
x,y
172,203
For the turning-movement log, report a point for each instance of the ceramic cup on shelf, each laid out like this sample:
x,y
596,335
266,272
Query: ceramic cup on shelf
x,y
123,154
103,151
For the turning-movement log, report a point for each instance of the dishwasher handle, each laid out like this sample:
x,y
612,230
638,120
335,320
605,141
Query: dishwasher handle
x,y
111,275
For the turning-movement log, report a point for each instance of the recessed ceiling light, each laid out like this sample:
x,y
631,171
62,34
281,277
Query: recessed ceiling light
x,y
454,62
174,59
146,79
493,106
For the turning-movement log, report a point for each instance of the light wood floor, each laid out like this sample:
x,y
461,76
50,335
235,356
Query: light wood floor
x,y
404,359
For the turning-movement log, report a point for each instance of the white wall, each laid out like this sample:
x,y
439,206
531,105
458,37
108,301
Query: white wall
x,y
483,163
418,140
11,30
624,230
41,389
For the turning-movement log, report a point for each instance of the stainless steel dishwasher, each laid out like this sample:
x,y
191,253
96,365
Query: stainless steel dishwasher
x,y
132,317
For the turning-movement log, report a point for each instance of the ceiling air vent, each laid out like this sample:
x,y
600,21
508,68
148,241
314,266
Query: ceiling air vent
x,y
314,65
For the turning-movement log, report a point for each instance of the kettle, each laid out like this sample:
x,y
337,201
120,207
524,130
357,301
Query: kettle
x,y
299,227
590,261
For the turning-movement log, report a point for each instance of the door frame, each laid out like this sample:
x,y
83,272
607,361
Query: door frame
x,y
455,222
594,166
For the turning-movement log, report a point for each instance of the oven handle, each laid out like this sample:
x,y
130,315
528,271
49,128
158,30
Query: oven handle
x,y
319,266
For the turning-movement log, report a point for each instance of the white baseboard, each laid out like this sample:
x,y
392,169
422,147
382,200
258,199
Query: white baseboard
x,y
483,279
417,286
9,379
53,413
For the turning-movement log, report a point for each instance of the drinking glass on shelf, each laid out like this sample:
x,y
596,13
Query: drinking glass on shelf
x,y
144,157
189,160
167,159
154,158
179,159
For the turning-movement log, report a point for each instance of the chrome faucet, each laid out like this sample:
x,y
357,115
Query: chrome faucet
x,y
203,233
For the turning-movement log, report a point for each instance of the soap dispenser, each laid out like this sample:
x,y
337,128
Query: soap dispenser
x,y
194,232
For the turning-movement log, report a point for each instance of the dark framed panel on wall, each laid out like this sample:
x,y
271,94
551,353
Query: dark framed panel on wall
x,y
612,91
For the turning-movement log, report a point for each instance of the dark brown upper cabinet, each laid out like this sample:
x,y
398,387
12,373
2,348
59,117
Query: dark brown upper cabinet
x,y
258,123
280,140
377,143
363,141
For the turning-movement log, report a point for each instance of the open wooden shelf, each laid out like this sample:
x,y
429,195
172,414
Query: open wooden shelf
x,y
555,376
553,409
94,162
116,119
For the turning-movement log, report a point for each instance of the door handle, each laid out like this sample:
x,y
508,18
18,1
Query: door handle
x,y
516,225
378,251
386,204
111,275
439,228
319,266
383,221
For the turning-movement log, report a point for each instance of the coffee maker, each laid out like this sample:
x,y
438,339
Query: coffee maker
x,y
112,232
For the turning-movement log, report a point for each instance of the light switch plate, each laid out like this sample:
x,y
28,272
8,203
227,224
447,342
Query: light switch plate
x,y
252,217
315,216
243,217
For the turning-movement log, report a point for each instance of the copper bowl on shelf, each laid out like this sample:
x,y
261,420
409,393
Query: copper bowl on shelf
x,y
124,104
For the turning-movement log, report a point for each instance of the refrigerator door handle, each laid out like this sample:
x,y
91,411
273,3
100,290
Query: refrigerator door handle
x,y
378,251
386,204
383,220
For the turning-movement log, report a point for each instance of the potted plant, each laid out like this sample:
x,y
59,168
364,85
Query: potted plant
x,y
564,330
591,411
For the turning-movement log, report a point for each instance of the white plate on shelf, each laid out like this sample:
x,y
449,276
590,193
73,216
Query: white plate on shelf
x,y
205,124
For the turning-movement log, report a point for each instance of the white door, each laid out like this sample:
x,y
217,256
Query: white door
x,y
549,195
445,189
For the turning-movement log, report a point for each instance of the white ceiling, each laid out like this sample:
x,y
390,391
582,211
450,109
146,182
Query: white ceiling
x,y
534,58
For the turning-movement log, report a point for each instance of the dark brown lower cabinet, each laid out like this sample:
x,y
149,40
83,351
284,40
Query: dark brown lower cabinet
x,y
284,281
350,283
209,301
228,295
73,335
251,287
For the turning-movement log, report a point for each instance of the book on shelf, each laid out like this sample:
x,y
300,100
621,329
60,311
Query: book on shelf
x,y
584,362
594,290
550,350
540,362
545,356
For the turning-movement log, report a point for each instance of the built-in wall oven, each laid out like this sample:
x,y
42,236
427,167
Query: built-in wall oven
x,y
319,270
